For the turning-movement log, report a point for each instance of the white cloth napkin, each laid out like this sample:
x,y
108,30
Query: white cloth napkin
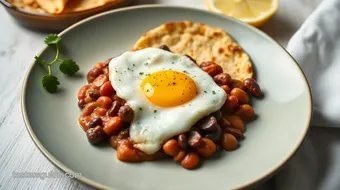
x,y
316,47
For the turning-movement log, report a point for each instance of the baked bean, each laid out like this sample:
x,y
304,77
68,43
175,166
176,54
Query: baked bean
x,y
100,65
82,92
100,112
206,148
99,81
231,104
104,102
236,122
241,95
117,139
236,132
89,108
222,79
114,141
217,115
95,122
146,157
93,74
192,59
190,161
112,125
229,142
171,147
164,47
237,84
224,123
245,112
195,138
81,103
126,114
126,152
93,94
117,98
108,61
207,124
252,87
106,89
211,68
106,70
84,122
88,99
105,119
215,135
95,135
182,141
180,156
226,89
113,111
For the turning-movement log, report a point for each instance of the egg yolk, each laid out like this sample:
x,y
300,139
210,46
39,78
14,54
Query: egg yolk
x,y
169,88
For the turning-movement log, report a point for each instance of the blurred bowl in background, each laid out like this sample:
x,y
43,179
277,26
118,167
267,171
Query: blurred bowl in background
x,y
46,22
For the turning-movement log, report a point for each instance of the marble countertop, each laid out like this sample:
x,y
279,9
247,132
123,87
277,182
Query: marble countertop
x,y
17,49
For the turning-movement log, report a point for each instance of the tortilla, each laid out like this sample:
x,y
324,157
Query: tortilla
x,y
81,5
61,6
52,6
29,5
203,43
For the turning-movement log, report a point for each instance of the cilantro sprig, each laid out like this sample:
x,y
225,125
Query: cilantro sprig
x,y
67,66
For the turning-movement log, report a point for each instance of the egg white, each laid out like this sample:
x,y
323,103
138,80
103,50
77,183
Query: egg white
x,y
153,125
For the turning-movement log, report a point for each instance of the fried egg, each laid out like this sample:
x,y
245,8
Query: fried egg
x,y
168,92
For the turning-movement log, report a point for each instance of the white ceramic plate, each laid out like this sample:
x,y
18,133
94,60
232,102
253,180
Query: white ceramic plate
x,y
51,119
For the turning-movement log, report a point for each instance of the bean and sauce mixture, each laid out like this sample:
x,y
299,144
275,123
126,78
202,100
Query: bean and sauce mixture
x,y
105,118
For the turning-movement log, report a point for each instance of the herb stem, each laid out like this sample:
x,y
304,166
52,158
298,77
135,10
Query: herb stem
x,y
49,69
56,56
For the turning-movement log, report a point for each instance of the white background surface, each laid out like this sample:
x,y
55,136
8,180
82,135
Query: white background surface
x,y
17,49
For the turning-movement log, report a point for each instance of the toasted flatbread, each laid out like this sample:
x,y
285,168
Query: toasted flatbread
x,y
29,5
203,43
62,6
81,5
52,6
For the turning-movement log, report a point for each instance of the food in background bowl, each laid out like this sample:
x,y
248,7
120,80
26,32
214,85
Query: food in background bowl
x,y
60,6
152,103
29,14
203,43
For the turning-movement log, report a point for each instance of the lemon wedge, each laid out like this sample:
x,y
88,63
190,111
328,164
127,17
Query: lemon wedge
x,y
254,12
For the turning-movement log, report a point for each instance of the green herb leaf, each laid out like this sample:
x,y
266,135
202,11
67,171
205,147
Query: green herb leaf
x,y
68,67
52,39
50,83
154,111
39,60
213,92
